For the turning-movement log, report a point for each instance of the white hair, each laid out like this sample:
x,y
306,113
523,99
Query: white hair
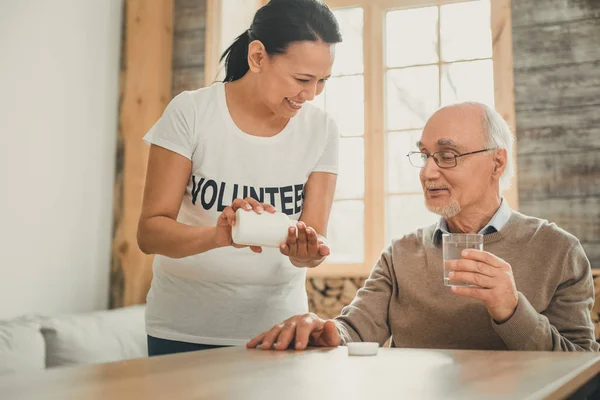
x,y
498,135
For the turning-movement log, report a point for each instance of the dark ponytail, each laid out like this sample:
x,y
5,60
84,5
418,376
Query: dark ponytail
x,y
236,58
277,25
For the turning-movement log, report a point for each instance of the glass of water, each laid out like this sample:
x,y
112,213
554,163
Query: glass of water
x,y
453,245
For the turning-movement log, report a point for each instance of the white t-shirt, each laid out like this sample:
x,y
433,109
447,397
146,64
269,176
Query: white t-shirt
x,y
227,295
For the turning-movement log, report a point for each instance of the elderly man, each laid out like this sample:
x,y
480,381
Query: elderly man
x,y
534,288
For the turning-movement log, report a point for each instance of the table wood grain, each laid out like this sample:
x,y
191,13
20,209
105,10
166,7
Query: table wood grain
x,y
238,373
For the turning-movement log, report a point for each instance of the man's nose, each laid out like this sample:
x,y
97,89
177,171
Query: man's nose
x,y
431,170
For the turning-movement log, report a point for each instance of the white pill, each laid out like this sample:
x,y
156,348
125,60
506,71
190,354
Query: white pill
x,y
363,348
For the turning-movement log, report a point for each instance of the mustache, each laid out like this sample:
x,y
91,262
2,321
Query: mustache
x,y
435,185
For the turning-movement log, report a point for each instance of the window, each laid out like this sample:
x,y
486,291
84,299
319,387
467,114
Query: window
x,y
434,56
344,99
399,62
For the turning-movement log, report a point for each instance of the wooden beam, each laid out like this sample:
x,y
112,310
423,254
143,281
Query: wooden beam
x,y
373,45
147,91
504,83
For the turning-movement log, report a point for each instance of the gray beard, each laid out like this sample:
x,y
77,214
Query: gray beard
x,y
447,211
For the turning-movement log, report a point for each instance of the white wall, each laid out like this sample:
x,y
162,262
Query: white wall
x,y
59,64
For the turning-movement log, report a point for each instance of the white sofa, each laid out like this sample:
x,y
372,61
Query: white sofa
x,y
38,342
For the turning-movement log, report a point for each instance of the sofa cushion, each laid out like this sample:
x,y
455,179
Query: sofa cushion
x,y
21,345
97,337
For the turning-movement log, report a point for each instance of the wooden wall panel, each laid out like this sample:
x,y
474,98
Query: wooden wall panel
x,y
146,90
560,175
592,250
557,86
550,11
556,47
552,44
555,130
189,15
577,215
187,78
189,45
188,49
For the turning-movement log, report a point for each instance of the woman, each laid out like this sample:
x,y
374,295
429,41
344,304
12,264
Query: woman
x,y
251,142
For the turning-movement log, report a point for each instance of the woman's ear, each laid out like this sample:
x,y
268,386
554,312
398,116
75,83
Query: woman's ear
x,y
256,55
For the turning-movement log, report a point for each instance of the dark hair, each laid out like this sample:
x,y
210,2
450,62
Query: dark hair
x,y
277,25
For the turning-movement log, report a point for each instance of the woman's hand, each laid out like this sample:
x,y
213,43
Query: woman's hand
x,y
307,249
227,220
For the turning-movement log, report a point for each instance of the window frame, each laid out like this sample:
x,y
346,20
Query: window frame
x,y
374,133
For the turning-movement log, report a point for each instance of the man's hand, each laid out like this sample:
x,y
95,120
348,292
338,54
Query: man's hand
x,y
494,277
299,332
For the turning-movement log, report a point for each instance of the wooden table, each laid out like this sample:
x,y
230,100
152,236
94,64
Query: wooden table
x,y
237,373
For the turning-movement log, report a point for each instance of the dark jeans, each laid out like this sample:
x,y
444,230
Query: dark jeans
x,y
159,347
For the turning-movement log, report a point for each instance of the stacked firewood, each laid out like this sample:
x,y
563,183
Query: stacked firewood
x,y
327,297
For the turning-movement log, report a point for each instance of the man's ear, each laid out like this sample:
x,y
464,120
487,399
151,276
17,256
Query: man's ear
x,y
500,161
257,55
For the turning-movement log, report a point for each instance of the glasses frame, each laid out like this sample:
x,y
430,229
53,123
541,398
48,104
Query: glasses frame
x,y
435,159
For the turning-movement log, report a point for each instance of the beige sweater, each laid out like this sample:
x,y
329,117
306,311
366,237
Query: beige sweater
x,y
405,296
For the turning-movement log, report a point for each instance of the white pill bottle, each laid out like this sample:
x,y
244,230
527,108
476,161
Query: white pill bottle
x,y
265,229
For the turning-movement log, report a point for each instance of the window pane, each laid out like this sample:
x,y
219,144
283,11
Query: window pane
x,y
349,53
466,30
351,178
412,96
346,232
405,214
468,81
412,37
402,177
345,102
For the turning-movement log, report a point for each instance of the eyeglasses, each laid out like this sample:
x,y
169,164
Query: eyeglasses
x,y
443,159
